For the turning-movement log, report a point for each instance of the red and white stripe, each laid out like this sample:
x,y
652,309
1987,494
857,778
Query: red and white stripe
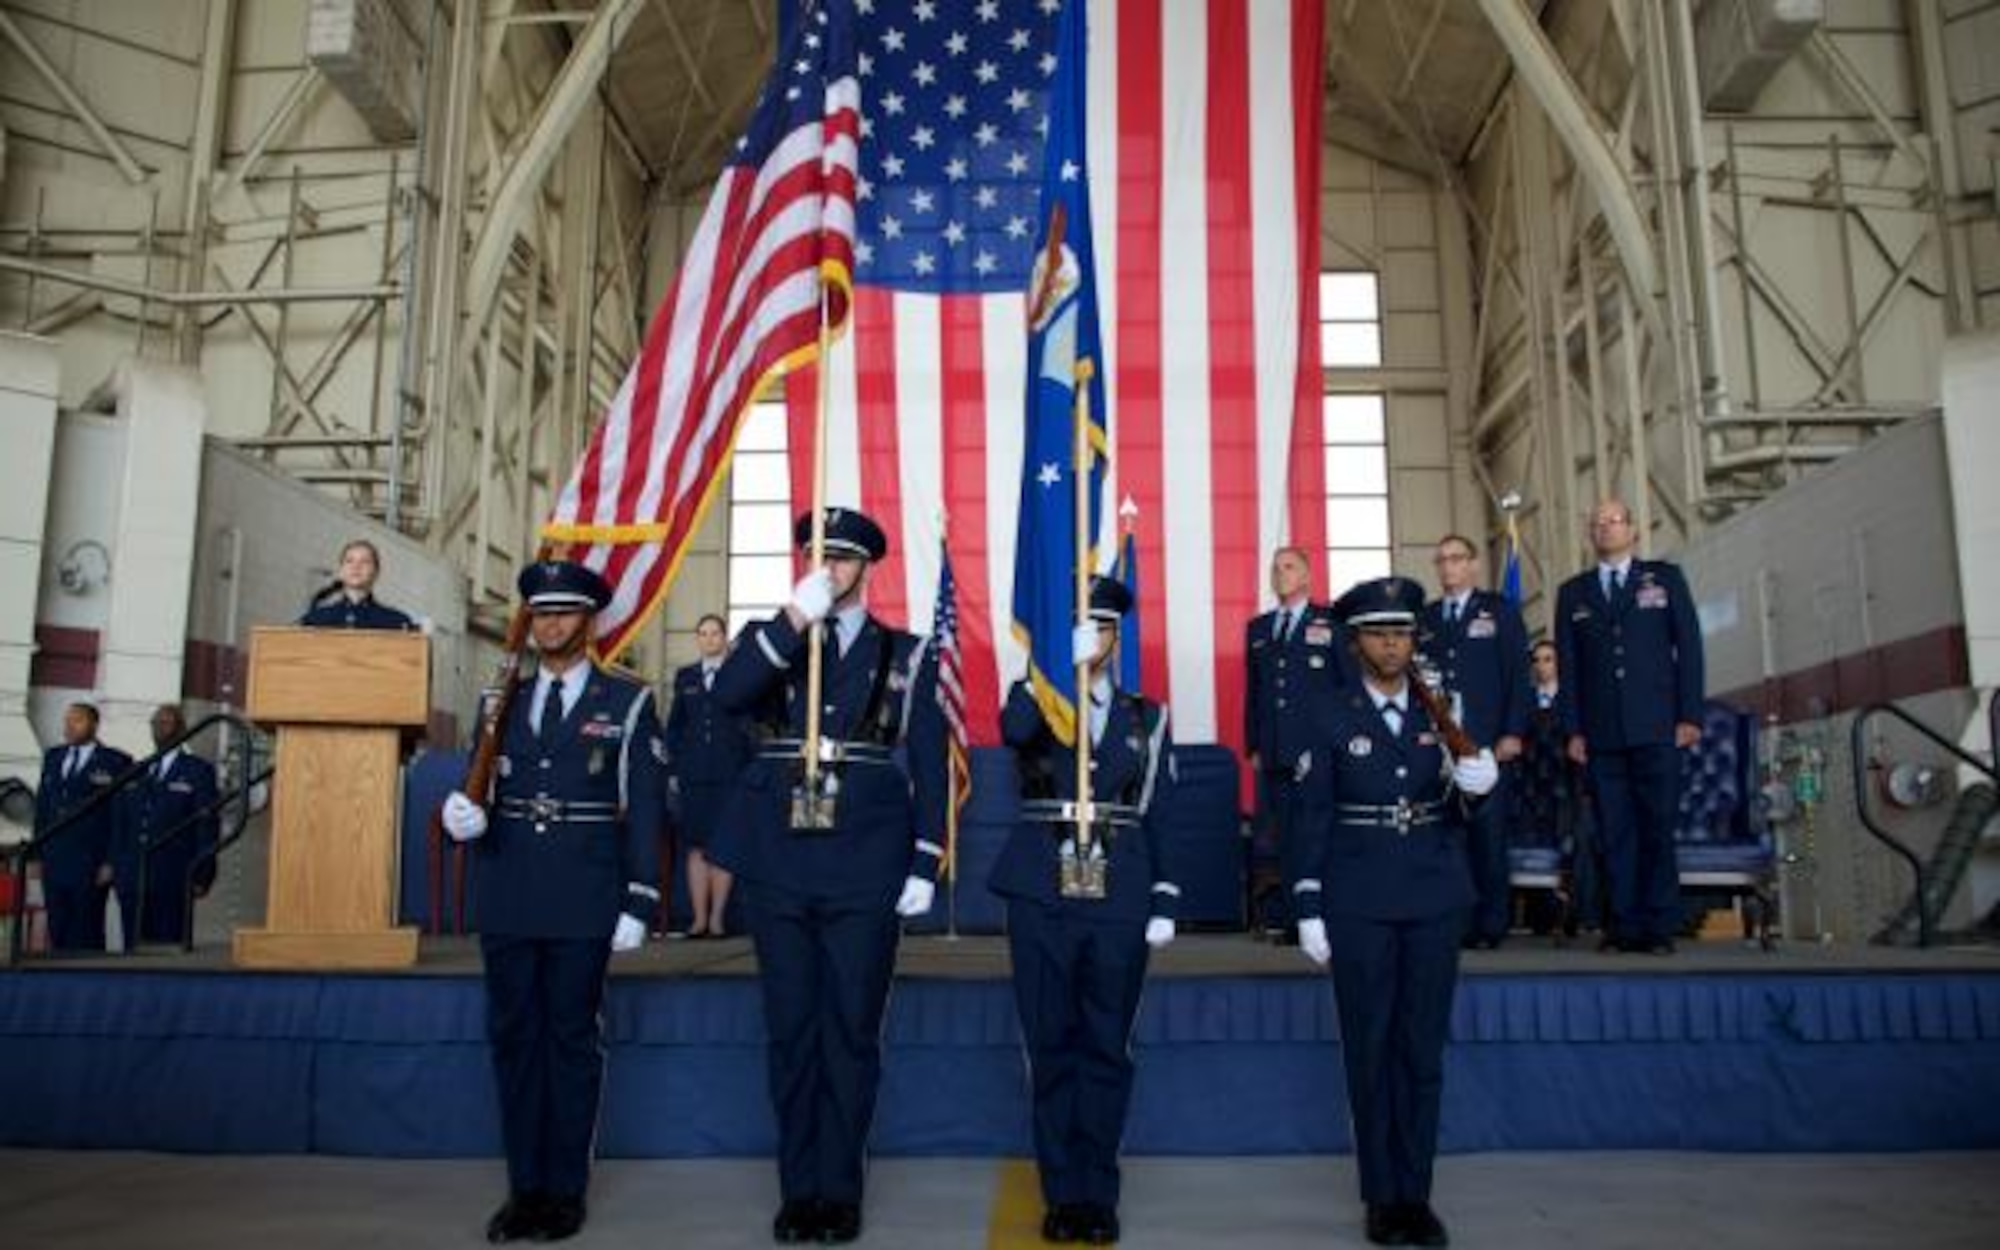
x,y
1208,255
745,304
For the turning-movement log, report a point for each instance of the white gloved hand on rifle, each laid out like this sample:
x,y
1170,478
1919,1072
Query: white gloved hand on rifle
x,y
463,819
1476,774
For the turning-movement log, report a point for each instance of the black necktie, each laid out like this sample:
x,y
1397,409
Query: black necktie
x,y
552,713
1451,612
1288,620
70,762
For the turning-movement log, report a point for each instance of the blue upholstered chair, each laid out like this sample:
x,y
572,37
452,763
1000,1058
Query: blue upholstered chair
x,y
1721,839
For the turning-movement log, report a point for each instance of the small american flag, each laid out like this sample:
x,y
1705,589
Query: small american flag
x,y
773,255
951,695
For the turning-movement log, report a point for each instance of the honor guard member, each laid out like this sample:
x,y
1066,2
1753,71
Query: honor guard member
x,y
76,863
828,865
164,824
562,876
1080,962
707,749
1628,645
1477,643
1382,890
1296,656
349,603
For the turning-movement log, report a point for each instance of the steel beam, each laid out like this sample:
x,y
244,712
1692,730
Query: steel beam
x,y
574,89
1542,73
79,108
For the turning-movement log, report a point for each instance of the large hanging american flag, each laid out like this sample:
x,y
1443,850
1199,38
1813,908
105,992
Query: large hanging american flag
x,y
778,234
1203,158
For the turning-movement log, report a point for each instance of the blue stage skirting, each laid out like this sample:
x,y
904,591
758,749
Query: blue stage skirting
x,y
398,1066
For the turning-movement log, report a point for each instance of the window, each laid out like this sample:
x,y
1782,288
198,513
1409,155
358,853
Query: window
x,y
1350,321
760,518
1357,491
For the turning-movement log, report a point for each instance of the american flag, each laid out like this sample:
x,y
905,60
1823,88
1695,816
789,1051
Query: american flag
x,y
1207,258
777,236
951,689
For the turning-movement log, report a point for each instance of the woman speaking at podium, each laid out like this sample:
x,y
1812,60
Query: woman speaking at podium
x,y
349,602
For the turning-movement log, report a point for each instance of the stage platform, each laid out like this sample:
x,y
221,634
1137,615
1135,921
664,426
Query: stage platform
x,y
1721,1047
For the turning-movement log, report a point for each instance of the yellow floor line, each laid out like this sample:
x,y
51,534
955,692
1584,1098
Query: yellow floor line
x,y
1017,1207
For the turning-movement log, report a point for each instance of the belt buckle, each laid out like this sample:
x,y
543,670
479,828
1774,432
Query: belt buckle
x,y
815,807
1405,817
544,811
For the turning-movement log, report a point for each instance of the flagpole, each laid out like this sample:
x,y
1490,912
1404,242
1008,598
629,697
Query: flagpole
x,y
1084,370
950,773
816,553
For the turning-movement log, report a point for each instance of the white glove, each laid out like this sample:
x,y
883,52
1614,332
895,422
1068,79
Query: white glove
x,y
1159,932
1083,643
812,598
1476,774
463,819
1313,943
916,899
630,934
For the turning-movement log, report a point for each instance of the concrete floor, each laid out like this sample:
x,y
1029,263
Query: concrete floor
x,y
1627,1201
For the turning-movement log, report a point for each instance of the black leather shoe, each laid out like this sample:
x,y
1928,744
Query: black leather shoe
x,y
1385,1225
562,1219
1059,1224
798,1221
1098,1226
839,1223
1422,1227
516,1220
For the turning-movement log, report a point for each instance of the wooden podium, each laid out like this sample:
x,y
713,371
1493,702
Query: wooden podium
x,y
340,699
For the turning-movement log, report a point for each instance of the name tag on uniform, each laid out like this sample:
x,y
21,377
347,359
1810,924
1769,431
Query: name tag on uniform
x,y
1581,614
1316,661
1652,597
100,778
609,730
1360,746
1481,628
1427,739
1319,635
180,787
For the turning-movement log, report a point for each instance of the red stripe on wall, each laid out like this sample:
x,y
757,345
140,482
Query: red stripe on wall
x,y
874,339
964,432
1136,396
64,657
1903,669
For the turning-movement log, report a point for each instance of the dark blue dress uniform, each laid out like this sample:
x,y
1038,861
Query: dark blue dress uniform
x,y
1079,965
169,795
572,842
74,899
1384,864
343,613
1294,669
821,903
1481,655
1631,666
707,750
